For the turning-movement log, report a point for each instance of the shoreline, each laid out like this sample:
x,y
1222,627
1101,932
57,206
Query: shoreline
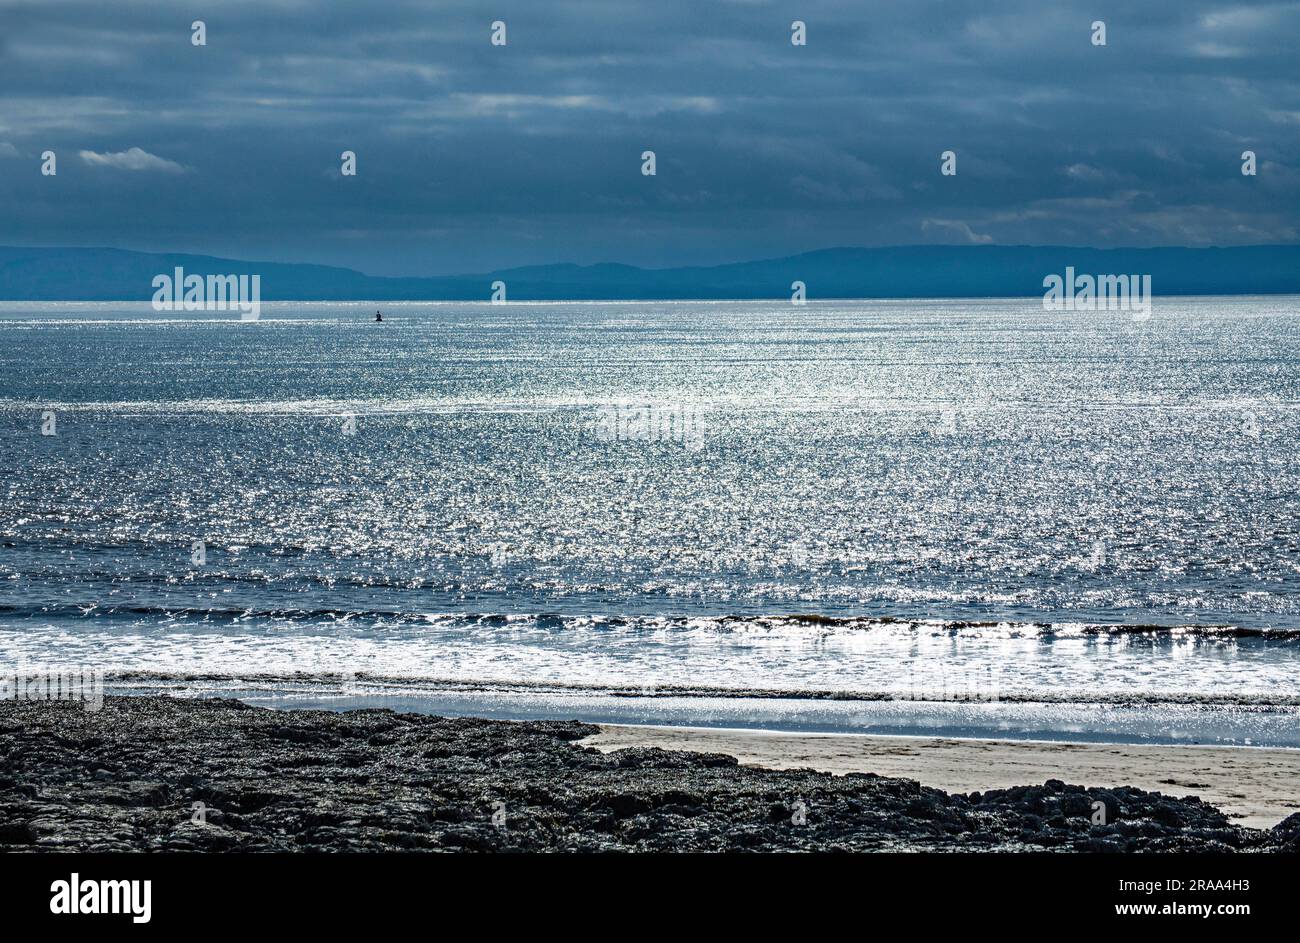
x,y
171,774
1257,787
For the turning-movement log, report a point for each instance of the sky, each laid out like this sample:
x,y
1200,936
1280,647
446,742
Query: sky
x,y
472,157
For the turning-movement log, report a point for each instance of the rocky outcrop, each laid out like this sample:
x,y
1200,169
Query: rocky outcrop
x,y
156,773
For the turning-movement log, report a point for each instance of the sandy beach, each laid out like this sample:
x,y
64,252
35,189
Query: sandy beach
x,y
1257,788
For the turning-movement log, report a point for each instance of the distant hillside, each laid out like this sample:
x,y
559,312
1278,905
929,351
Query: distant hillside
x,y
897,272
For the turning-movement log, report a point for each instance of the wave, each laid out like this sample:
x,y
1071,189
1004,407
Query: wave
x,y
361,682
557,620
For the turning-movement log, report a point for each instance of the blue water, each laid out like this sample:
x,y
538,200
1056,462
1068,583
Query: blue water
x,y
940,516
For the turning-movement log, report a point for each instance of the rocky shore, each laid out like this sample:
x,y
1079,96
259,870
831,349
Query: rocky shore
x,y
158,774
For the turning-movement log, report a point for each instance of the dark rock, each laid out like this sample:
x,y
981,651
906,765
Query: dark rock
x,y
17,833
126,777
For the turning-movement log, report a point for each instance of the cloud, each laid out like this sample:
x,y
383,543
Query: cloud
x,y
1220,51
1084,172
530,153
133,159
8,150
959,227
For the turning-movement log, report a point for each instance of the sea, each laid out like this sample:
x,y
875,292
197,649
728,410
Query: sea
x,y
960,518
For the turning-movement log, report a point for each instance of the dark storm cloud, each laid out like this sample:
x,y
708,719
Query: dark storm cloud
x,y
473,157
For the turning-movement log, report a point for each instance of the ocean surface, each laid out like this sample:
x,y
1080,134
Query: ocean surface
x,y
968,518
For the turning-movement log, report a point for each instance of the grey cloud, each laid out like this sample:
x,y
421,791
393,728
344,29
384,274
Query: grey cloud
x,y
472,156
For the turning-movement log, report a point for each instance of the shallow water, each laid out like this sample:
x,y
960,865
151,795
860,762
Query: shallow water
x,y
994,512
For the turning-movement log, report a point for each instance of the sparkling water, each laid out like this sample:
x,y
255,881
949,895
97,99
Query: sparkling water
x,y
906,516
